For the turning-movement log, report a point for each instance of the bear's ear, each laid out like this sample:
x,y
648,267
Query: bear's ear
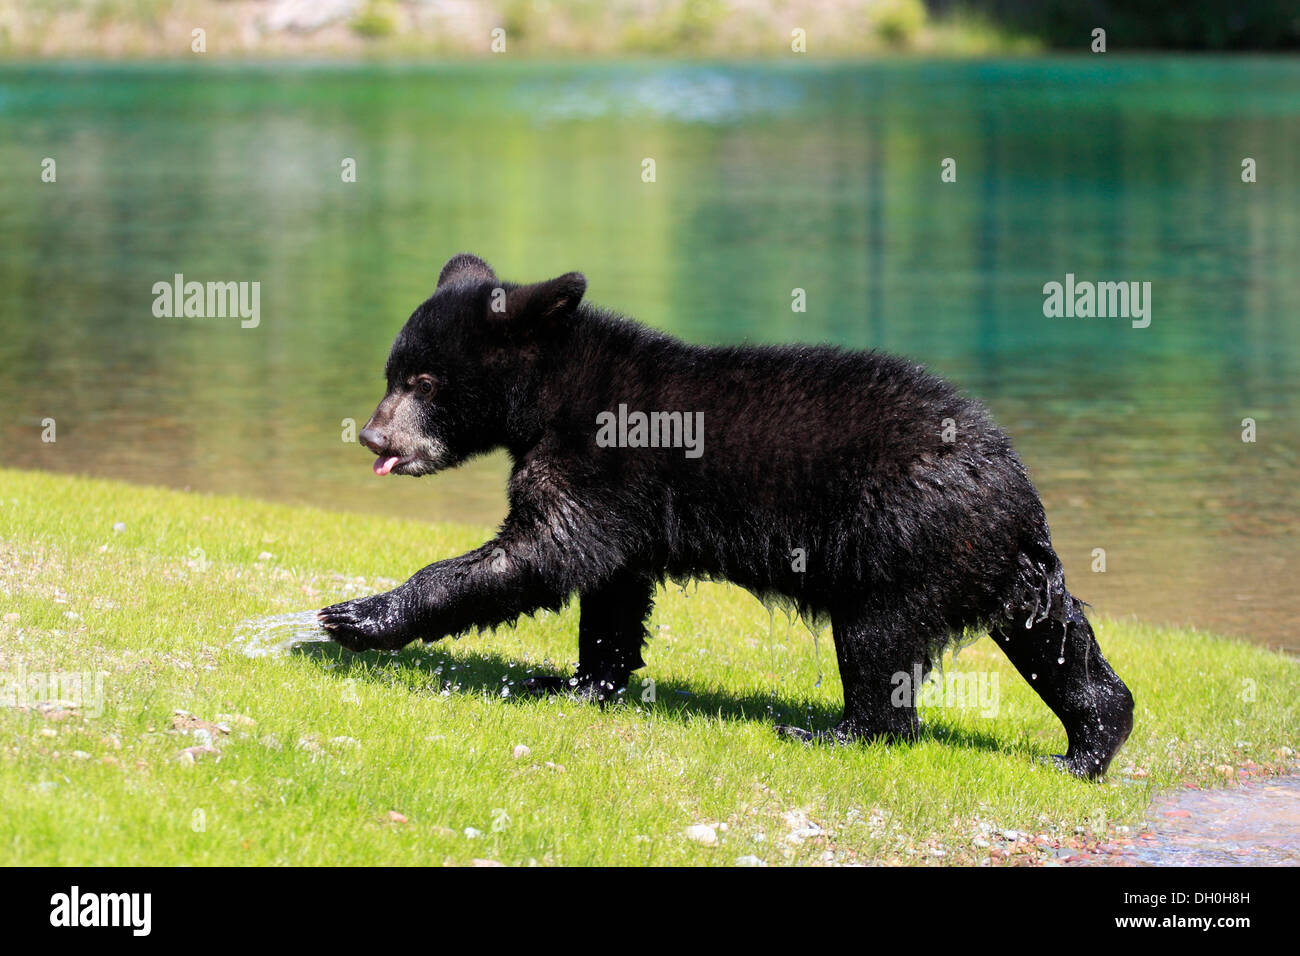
x,y
545,302
465,268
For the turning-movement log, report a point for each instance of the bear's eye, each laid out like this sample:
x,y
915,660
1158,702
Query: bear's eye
x,y
425,386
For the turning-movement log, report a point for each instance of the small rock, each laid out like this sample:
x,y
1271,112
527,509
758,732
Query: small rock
x,y
204,730
191,754
702,834
749,861
804,833
119,527
521,751
265,556
472,833
11,617
395,817
1010,835
795,819
478,862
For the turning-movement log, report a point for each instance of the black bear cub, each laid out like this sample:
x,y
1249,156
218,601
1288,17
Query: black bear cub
x,y
853,485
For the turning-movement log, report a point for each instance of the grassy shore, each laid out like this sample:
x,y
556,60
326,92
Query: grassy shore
x,y
426,756
412,29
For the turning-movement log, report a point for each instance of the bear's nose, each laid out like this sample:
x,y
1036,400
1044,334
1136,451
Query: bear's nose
x,y
374,439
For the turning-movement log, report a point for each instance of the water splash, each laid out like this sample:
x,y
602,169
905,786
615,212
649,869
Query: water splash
x,y
816,633
278,634
771,656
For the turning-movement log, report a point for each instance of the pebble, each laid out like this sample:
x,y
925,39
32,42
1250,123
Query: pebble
x,y
190,754
521,751
395,817
803,833
472,833
749,861
702,834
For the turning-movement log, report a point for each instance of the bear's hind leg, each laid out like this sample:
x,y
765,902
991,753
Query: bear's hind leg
x,y
872,652
611,631
1063,663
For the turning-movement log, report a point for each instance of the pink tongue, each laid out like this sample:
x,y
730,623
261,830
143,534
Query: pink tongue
x,y
384,465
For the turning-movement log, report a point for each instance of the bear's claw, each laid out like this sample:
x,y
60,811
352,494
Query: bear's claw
x,y
847,733
582,688
835,736
362,625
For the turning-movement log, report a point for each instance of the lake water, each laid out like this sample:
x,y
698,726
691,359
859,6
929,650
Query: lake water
x,y
768,178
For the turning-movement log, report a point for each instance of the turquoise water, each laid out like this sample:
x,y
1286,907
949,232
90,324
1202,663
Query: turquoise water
x,y
768,179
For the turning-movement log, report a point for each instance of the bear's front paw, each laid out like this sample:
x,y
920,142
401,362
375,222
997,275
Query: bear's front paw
x,y
366,624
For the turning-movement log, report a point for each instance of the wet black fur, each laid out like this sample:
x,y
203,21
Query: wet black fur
x,y
910,541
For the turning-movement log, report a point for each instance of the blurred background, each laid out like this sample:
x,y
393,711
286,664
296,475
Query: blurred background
x,y
774,171
462,28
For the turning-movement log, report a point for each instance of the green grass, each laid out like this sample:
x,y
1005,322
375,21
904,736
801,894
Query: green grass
x,y
322,745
